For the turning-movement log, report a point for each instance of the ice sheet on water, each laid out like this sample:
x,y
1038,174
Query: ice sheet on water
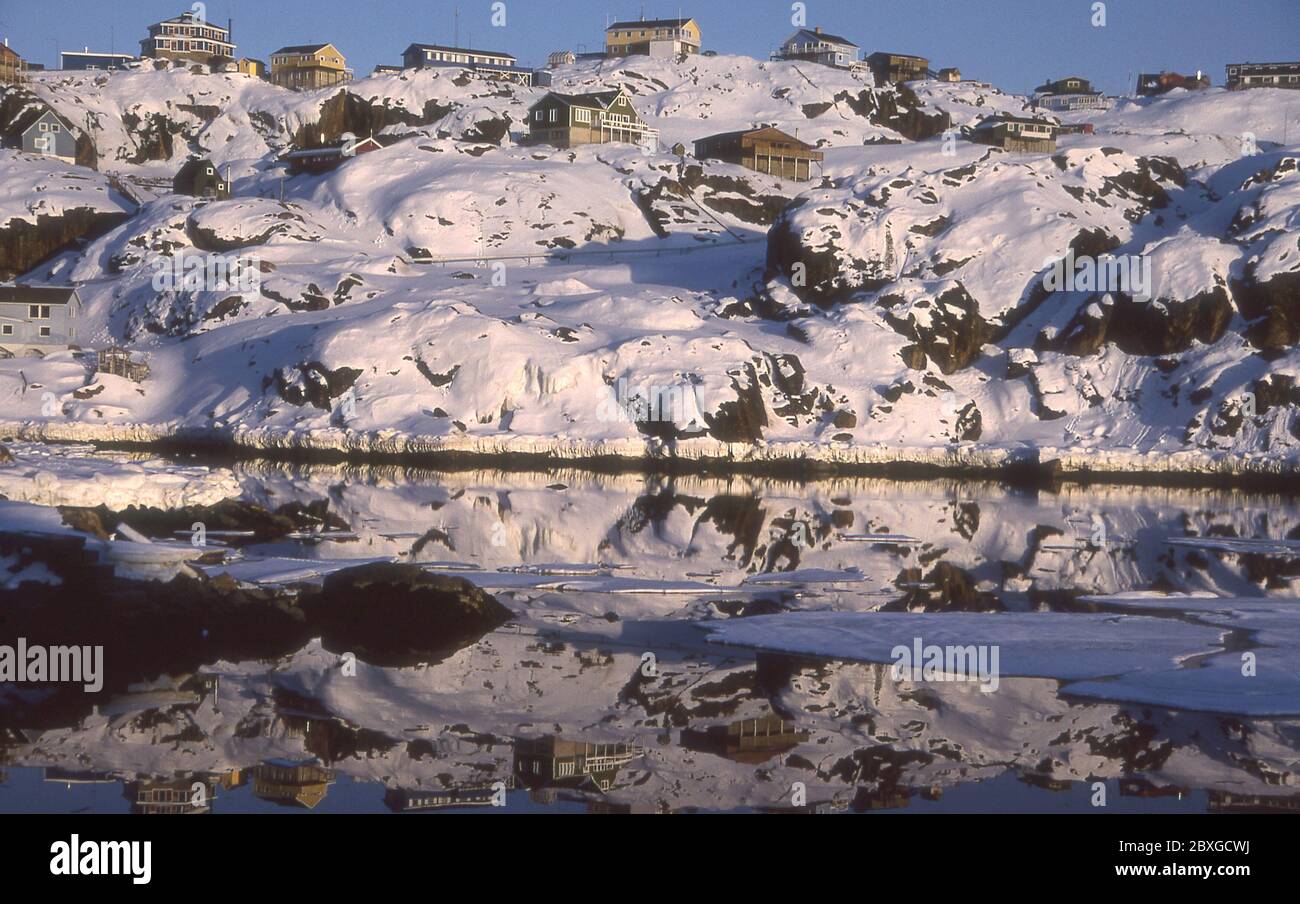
x,y
1066,646
808,576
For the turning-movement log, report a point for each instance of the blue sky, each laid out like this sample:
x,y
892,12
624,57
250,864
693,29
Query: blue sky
x,y
1015,44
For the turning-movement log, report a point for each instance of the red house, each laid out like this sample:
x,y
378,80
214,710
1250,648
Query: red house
x,y
327,158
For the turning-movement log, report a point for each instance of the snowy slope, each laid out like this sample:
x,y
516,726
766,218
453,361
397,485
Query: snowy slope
x,y
457,291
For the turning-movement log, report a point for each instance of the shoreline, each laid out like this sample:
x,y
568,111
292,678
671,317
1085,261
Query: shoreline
x,y
1019,465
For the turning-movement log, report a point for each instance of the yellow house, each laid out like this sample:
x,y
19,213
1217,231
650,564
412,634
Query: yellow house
x,y
249,66
652,37
305,67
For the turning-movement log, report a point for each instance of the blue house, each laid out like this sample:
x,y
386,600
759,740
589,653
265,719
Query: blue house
x,y
37,319
80,60
50,135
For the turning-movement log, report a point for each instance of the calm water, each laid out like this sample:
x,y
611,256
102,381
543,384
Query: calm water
x,y
558,712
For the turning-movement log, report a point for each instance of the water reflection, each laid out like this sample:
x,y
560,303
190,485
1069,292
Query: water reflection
x,y
602,694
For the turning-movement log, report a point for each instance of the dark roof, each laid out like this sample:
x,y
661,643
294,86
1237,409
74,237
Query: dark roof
x,y
329,150
996,119
741,133
889,53
649,23
18,294
190,167
445,47
596,100
1055,86
302,48
31,117
821,36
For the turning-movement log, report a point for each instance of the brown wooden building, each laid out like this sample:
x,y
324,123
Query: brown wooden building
x,y
765,150
889,68
1016,133
568,120
13,69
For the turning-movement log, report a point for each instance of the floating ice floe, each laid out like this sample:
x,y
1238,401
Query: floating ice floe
x,y
54,475
559,568
281,570
1263,546
1262,679
807,576
885,539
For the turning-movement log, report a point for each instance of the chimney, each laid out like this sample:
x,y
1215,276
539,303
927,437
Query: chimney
x,y
817,29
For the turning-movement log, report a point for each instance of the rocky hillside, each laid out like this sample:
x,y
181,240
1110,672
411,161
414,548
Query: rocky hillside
x,y
462,291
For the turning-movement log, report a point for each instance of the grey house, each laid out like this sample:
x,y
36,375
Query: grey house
x,y
50,136
37,319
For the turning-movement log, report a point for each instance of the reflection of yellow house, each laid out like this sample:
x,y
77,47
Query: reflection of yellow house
x,y
305,67
652,37
293,785
185,794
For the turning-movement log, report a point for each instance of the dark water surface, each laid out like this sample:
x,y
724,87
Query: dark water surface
x,y
604,692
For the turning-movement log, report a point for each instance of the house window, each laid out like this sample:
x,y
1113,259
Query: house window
x,y
45,127
554,117
45,332
582,115
54,127
7,330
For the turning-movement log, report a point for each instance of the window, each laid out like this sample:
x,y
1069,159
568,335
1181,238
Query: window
x,y
45,127
54,127
45,331
554,117
582,115
7,330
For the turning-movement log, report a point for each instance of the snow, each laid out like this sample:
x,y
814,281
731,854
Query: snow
x,y
54,475
494,296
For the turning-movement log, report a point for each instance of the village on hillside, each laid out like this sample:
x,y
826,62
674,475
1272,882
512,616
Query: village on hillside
x,y
38,318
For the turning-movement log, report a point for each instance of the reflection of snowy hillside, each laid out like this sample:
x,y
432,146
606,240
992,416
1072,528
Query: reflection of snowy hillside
x,y
966,562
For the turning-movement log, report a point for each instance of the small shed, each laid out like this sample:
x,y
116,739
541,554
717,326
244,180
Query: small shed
x,y
117,361
200,178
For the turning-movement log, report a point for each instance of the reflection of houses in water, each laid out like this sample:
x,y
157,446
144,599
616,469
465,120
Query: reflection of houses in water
x,y
1140,787
72,777
558,762
887,797
292,784
641,807
186,794
746,740
1226,802
1046,782
401,800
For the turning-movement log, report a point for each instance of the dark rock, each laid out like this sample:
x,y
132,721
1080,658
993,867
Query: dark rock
x,y
955,333
1272,307
397,614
